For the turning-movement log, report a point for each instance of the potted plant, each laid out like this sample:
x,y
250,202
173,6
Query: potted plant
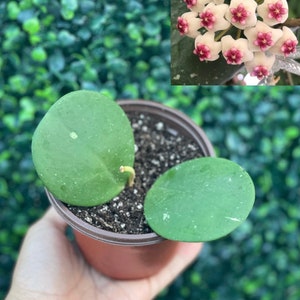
x,y
85,153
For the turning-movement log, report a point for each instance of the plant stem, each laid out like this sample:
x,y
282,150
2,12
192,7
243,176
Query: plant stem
x,y
239,33
218,37
131,172
292,22
290,78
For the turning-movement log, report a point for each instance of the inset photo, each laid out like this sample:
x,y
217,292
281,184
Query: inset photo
x,y
235,42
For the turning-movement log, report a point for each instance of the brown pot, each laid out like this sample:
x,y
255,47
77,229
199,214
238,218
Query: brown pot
x,y
130,256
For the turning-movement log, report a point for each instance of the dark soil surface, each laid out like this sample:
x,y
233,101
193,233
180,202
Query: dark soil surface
x,y
157,149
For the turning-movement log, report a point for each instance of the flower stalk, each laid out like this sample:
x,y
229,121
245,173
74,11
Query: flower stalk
x,y
131,172
222,33
293,22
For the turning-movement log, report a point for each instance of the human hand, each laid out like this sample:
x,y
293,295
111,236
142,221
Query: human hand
x,y
50,267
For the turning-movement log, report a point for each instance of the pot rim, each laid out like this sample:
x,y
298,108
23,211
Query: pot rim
x,y
98,233
173,115
170,115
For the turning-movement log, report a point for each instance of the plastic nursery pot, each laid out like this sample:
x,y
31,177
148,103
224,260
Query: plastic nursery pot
x,y
132,256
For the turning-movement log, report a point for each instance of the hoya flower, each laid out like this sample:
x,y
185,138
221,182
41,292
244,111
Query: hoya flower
x,y
206,48
188,24
212,17
261,65
235,51
190,3
196,5
273,11
242,13
262,37
286,45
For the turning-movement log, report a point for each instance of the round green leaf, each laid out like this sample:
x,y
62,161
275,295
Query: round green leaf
x,y
39,54
200,200
32,26
79,146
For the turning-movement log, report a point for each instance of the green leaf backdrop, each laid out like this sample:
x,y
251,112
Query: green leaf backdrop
x,y
122,48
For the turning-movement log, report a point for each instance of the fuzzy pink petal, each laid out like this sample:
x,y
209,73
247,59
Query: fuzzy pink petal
x,y
188,24
261,65
196,5
212,17
262,37
207,40
286,45
273,11
242,14
235,51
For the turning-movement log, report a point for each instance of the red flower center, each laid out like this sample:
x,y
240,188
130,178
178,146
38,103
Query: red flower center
x,y
276,11
264,40
202,51
233,56
190,3
289,47
239,14
182,25
207,19
260,72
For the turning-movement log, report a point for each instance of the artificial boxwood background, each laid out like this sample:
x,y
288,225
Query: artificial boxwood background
x,y
122,48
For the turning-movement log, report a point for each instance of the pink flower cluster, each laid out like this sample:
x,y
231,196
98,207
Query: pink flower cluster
x,y
260,42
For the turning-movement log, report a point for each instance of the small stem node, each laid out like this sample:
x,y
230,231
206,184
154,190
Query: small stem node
x,y
293,22
239,33
131,172
223,32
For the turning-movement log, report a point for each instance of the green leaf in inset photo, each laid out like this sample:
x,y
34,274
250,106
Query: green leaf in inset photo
x,y
200,200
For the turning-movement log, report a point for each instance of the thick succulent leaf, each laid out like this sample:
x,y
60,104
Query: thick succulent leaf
x,y
79,146
200,200
186,68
